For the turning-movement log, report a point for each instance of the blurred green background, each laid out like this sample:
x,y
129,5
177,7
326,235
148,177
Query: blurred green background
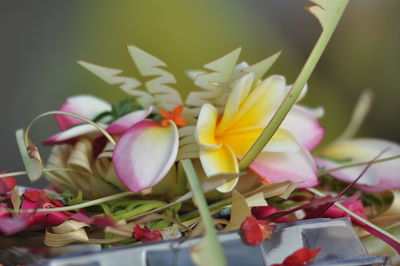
x,y
40,41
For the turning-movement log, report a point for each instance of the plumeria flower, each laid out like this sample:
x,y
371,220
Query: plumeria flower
x,y
380,176
85,106
146,152
225,139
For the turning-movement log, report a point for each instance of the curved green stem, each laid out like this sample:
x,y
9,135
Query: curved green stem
x,y
329,26
102,130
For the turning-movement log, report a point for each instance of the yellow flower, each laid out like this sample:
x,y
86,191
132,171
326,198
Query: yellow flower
x,y
249,108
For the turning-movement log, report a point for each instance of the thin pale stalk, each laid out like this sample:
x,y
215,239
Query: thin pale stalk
x,y
218,255
294,93
86,204
356,216
358,164
19,173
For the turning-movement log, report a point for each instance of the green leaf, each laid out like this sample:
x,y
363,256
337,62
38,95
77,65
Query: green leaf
x,y
77,200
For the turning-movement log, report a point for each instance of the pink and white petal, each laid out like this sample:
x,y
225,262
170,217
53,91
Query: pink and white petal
x,y
282,141
298,167
384,175
304,126
220,161
124,123
240,90
72,133
205,127
85,105
145,153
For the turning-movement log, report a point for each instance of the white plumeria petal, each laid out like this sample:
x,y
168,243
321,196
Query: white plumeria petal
x,y
205,128
240,90
220,161
145,154
383,175
85,105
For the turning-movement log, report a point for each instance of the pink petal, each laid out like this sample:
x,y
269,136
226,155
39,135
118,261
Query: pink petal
x,y
3,211
71,134
85,105
281,166
380,176
12,225
124,123
145,153
304,126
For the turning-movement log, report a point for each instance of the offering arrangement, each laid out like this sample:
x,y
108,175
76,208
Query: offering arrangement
x,y
237,162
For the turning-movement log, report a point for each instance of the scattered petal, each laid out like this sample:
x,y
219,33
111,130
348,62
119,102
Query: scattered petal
x,y
12,225
145,153
7,183
146,235
3,212
300,257
255,231
263,211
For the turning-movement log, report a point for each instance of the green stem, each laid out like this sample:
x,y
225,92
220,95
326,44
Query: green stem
x,y
211,233
139,210
108,136
294,93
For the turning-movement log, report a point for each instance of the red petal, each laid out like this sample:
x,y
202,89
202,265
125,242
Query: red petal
x,y
152,236
264,211
255,231
146,235
301,256
35,195
138,232
3,211
7,183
